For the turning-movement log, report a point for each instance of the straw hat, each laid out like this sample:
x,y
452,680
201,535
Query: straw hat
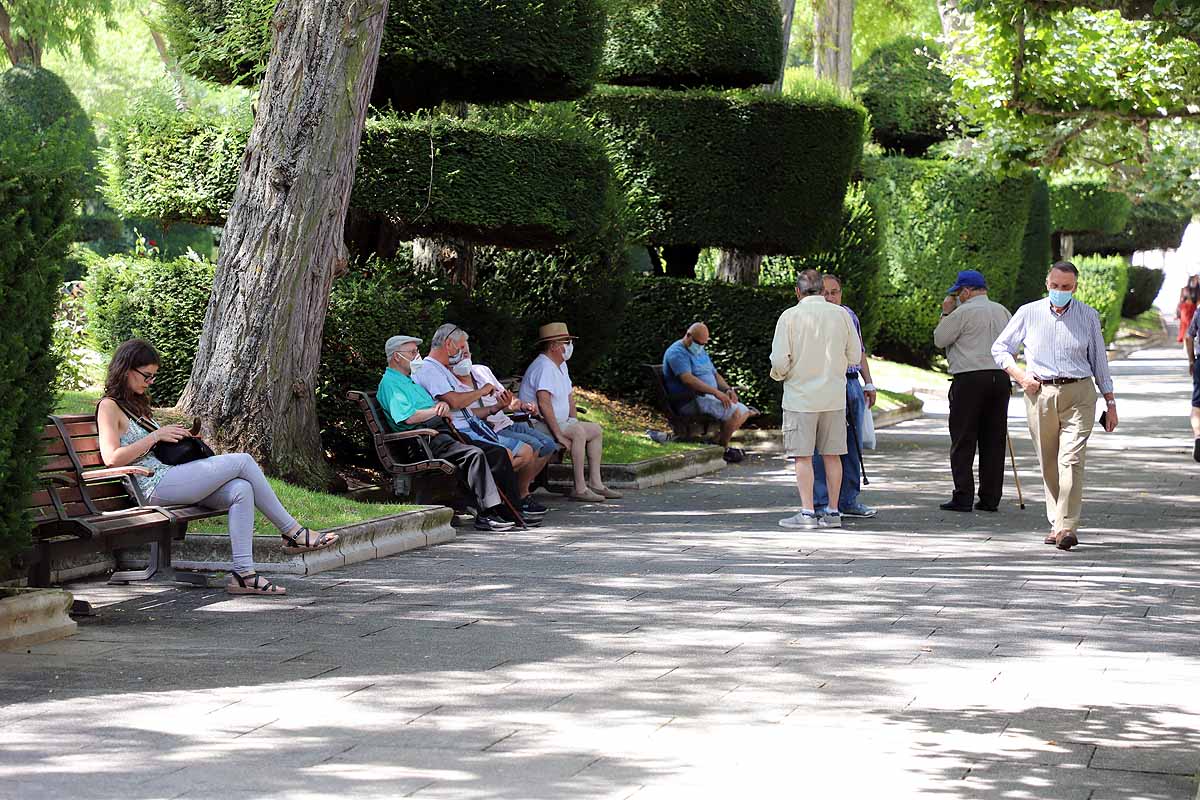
x,y
554,330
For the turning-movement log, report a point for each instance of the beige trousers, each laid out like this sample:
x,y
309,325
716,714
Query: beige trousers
x,y
1060,422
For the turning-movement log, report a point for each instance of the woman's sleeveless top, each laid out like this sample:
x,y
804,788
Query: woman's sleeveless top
x,y
132,434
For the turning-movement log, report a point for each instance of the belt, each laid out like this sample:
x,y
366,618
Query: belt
x,y
1060,381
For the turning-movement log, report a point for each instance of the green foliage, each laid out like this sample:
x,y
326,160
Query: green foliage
x,y
1103,281
45,128
907,94
1151,226
533,182
659,310
939,217
858,260
37,26
1144,286
1037,248
70,343
877,22
1078,206
223,41
173,166
687,43
742,170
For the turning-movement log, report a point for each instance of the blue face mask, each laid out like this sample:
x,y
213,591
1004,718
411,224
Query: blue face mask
x,y
695,349
1059,298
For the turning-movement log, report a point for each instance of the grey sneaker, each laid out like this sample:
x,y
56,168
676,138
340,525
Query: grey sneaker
x,y
858,511
831,520
805,519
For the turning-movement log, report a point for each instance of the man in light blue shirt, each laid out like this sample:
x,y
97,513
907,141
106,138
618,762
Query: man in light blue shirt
x,y
1064,353
695,387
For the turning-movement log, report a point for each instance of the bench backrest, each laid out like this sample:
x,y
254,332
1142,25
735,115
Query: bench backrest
x,y
376,425
79,444
661,398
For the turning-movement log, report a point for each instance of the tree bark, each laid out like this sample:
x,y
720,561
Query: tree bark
x,y
1066,246
738,266
452,257
679,260
20,50
833,34
254,378
955,21
788,7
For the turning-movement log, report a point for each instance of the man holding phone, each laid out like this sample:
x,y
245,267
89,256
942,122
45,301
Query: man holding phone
x,y
1064,353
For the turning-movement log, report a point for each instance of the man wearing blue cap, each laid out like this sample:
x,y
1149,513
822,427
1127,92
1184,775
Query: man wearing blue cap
x,y
979,392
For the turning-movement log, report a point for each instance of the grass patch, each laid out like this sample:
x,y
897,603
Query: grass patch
x,y
625,427
1148,323
888,400
77,402
315,510
905,378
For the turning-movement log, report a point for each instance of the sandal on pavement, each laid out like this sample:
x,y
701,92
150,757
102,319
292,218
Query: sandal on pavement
x,y
606,492
586,496
292,542
252,583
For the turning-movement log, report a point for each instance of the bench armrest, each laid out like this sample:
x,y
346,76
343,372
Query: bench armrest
x,y
61,480
413,434
115,472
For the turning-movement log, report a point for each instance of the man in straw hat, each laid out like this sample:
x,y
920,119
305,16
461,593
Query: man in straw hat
x,y
547,384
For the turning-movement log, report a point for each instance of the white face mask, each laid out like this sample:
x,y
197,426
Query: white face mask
x,y
413,363
463,368
568,349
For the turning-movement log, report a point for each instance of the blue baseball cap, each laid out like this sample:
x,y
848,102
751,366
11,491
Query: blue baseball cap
x,y
968,279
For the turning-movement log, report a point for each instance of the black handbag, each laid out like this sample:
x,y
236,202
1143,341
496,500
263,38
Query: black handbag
x,y
173,454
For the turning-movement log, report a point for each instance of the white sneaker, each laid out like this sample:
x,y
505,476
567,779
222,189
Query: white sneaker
x,y
805,519
831,520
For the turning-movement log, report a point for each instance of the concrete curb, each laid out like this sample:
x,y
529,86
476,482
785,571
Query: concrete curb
x,y
652,471
34,616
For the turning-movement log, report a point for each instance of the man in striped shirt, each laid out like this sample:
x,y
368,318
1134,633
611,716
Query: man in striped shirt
x,y
1064,353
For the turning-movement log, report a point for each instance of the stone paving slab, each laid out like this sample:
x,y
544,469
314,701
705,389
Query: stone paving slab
x,y
676,643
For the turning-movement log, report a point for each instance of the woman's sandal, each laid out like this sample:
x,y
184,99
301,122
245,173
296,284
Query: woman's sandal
x,y
291,542
252,583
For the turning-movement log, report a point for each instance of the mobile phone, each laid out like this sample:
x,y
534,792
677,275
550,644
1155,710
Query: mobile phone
x,y
1104,419
195,429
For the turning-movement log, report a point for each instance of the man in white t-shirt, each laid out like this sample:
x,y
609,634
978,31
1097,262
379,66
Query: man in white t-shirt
x,y
547,383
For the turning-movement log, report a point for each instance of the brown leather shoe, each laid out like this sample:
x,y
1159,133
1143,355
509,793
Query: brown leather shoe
x,y
1051,539
1066,540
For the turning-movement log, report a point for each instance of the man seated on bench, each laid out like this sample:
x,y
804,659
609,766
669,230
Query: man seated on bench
x,y
440,376
694,387
406,405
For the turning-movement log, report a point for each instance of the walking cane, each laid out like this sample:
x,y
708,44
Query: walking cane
x,y
1013,459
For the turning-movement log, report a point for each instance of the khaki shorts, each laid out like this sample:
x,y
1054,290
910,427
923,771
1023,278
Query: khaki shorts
x,y
806,432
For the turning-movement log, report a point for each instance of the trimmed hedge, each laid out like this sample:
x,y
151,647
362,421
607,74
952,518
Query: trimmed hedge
x,y
484,51
531,183
742,320
857,260
1081,206
1037,247
907,94
1144,286
172,166
676,44
1151,226
939,217
1103,281
743,170
43,166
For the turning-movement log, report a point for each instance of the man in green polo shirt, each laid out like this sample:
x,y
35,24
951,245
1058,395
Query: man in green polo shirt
x,y
484,471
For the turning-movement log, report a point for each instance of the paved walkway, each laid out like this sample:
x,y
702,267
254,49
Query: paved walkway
x,y
675,644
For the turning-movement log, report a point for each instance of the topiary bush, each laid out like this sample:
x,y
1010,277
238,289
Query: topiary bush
x,y
1037,248
1079,206
534,182
858,260
939,217
1151,226
676,44
43,168
485,51
1144,286
907,94
1103,281
743,170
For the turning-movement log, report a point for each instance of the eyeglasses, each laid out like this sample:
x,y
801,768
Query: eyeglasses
x,y
147,378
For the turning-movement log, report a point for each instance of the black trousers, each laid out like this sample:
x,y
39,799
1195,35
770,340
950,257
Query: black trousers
x,y
483,469
978,417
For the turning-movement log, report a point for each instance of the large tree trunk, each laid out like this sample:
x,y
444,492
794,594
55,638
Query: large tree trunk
x,y
20,50
788,7
737,266
833,34
255,374
955,21
453,257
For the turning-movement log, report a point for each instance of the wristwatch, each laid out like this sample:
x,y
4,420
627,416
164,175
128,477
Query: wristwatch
x,y
1112,403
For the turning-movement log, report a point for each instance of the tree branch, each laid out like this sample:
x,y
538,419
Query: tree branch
x,y
6,35
1055,149
1107,113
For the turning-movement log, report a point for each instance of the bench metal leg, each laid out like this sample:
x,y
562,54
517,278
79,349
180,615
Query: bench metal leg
x,y
160,556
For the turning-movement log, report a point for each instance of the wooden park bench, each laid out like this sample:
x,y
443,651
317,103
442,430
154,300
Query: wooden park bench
x,y
405,456
82,507
687,427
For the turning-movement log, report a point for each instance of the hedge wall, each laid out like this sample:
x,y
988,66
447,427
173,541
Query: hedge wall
x,y
679,44
172,166
1103,281
858,260
741,318
1080,206
530,183
1037,248
939,217
433,50
42,176
1144,286
741,170
1151,226
907,94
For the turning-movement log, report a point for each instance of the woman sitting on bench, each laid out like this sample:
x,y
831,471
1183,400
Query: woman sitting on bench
x,y
231,481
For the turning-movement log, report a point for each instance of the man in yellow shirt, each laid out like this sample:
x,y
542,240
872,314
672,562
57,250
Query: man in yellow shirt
x,y
815,343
